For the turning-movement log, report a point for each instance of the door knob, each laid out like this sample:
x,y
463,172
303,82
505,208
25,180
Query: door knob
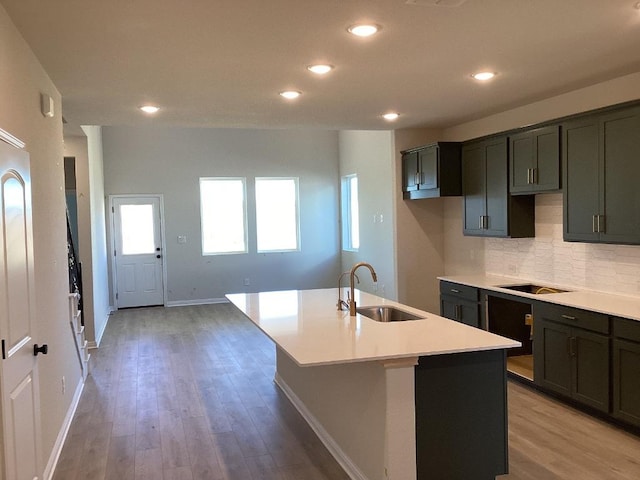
x,y
44,349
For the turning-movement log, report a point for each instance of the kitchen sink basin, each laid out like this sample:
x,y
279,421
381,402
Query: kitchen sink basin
x,y
534,289
385,313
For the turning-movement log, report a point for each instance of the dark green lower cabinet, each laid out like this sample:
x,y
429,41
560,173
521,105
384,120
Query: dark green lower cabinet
x,y
573,362
626,381
461,416
463,311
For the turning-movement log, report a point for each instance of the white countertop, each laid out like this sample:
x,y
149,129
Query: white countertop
x,y
309,328
607,303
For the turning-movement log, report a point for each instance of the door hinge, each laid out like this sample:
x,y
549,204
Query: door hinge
x,y
116,296
114,252
4,352
113,210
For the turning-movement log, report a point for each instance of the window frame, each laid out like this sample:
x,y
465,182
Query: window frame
x,y
243,180
347,221
296,182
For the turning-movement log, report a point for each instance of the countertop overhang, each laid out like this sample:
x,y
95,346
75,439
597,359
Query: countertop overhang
x,y
307,326
595,301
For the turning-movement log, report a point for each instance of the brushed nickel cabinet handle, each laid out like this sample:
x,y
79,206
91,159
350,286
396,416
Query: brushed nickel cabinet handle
x,y
593,224
569,317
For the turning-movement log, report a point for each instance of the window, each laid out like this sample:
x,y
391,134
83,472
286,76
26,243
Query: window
x,y
223,215
277,214
350,216
136,225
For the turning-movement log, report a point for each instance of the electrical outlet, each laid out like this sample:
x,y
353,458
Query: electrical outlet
x,y
247,282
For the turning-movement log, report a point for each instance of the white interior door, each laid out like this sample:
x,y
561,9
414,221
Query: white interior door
x,y
138,251
20,396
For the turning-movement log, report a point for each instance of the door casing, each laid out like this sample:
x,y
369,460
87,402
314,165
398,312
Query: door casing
x,y
112,243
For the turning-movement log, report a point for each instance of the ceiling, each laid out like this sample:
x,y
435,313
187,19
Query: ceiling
x,y
221,63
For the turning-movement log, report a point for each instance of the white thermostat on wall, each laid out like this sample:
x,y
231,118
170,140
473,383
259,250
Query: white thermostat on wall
x,y
182,239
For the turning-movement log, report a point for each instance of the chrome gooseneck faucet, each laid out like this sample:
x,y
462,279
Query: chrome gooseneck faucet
x,y
352,300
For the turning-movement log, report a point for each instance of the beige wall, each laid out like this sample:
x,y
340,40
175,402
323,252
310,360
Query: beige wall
x,y
419,233
22,79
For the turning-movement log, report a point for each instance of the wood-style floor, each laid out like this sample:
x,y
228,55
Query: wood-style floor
x,y
187,393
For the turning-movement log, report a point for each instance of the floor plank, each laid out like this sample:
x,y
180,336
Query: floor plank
x,y
187,393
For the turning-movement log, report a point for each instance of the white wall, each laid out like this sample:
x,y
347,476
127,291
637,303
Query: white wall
x,y
99,259
92,244
170,161
370,154
22,79
349,402
611,268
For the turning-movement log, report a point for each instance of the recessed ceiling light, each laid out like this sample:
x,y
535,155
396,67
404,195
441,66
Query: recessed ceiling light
x,y
391,116
320,69
364,30
290,94
150,109
483,76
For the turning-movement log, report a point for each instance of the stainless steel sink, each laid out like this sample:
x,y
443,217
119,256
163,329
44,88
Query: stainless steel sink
x,y
531,288
386,313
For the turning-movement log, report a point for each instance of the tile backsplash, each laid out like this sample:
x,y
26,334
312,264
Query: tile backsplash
x,y
547,258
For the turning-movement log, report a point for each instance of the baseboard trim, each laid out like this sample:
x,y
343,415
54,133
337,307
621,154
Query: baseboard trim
x,y
198,301
62,435
334,449
96,343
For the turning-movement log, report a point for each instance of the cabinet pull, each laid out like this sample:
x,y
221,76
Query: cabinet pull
x,y
455,291
416,178
572,346
569,317
480,222
485,222
594,228
533,176
457,312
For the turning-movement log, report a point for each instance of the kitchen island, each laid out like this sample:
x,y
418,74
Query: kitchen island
x,y
403,400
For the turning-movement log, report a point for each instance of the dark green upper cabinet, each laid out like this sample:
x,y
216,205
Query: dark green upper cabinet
x,y
489,210
432,171
600,171
534,160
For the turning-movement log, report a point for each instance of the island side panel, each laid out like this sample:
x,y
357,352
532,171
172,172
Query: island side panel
x,y
348,402
461,416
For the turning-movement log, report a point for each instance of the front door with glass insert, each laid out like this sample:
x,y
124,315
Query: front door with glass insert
x,y
138,251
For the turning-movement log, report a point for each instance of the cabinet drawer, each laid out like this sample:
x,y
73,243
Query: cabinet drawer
x,y
574,317
627,329
459,291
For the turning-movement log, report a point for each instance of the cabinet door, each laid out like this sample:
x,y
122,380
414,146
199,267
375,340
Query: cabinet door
x,y
462,311
590,353
410,171
546,173
521,162
497,190
552,360
580,153
626,381
428,168
473,186
448,307
620,204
